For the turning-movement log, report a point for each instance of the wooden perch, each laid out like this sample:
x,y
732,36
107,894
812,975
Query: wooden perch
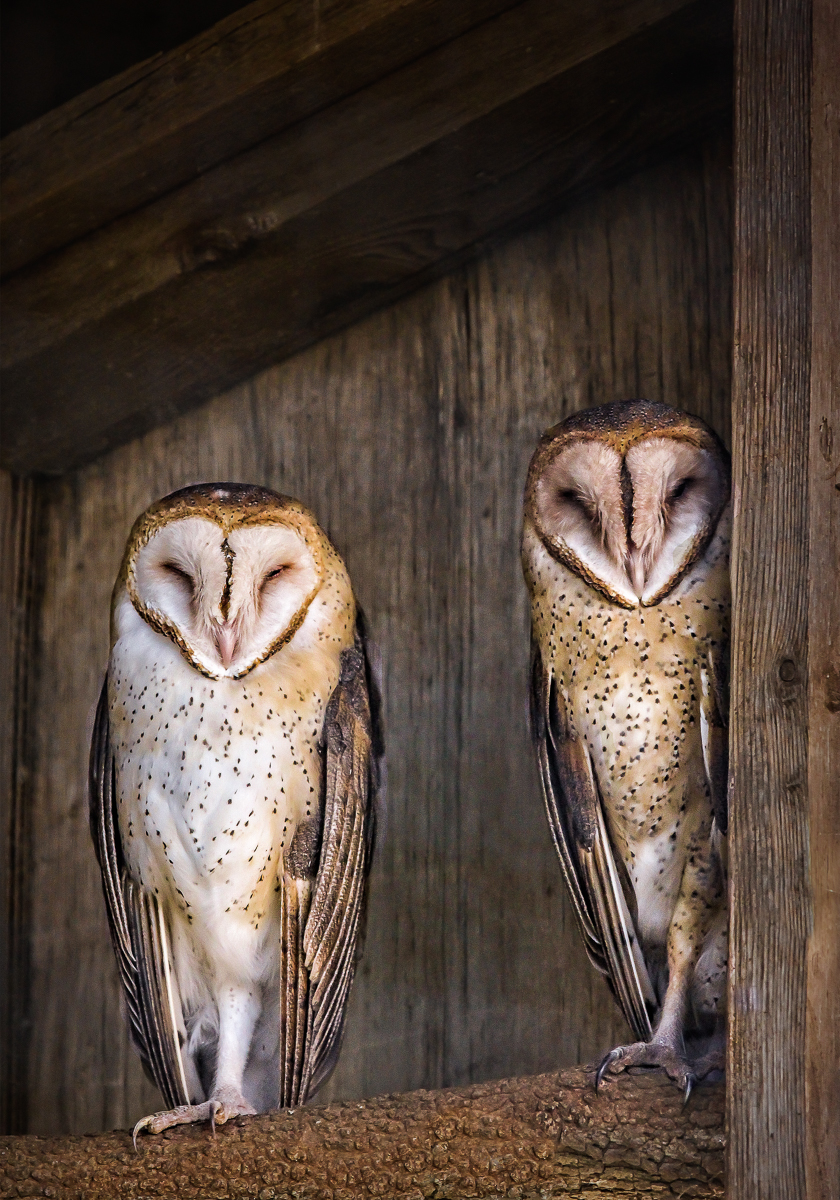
x,y
215,210
543,1135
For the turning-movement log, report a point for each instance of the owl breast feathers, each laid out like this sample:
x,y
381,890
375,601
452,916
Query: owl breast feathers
x,y
625,551
233,771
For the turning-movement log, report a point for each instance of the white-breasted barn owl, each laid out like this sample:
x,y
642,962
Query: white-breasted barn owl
x,y
625,551
234,765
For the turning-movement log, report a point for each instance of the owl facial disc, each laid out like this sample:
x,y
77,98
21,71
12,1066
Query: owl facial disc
x,y
227,590
631,507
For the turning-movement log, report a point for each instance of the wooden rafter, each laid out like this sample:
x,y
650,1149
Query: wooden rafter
x,y
197,234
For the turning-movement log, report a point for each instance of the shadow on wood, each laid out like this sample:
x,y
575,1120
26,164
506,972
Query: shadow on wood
x,y
542,1135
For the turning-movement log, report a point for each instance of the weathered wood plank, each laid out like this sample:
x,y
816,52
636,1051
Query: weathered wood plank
x,y
783,1107
18,621
822,1027
345,212
243,203
165,121
549,1132
409,435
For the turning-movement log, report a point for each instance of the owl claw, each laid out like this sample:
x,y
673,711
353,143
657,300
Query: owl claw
x,y
143,1123
215,1106
649,1054
606,1063
215,1110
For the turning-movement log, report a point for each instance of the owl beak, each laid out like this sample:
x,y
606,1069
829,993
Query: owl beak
x,y
636,570
226,643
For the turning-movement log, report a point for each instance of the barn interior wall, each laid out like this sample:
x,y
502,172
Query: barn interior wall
x,y
408,435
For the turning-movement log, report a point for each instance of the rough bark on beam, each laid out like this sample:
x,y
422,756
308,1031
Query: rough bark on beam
x,y
335,215
540,1136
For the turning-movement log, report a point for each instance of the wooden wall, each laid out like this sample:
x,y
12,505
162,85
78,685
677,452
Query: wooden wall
x,y
409,435
19,612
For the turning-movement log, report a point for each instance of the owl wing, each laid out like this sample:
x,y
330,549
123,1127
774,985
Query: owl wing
x,y
323,908
138,928
601,891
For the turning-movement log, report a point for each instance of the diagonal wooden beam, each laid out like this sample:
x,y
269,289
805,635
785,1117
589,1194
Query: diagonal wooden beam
x,y
169,119
367,198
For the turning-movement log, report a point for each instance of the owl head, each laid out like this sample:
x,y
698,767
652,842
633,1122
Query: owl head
x,y
628,496
226,571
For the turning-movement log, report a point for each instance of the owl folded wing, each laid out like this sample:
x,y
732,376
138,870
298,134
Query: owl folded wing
x,y
138,929
323,909
601,891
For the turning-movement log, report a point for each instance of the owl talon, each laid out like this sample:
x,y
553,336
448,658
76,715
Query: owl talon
x,y
215,1106
216,1111
606,1063
143,1123
649,1054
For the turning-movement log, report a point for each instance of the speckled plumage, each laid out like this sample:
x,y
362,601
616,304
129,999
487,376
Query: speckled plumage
x,y
227,786
629,704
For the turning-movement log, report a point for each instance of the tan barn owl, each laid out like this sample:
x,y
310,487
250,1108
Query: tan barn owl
x,y
625,551
234,766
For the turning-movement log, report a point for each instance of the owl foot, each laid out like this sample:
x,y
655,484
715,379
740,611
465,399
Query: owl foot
x,y
216,1110
650,1054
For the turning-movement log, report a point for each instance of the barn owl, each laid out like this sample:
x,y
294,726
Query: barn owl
x,y
234,766
625,551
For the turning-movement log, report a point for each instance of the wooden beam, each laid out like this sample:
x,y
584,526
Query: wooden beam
x,y
546,1135
365,199
784,1066
169,119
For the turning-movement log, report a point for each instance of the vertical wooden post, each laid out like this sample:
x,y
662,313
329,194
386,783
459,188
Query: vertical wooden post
x,y
783,1104
822,1029
18,513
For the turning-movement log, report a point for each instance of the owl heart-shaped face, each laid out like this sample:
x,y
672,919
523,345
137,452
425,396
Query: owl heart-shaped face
x,y
228,587
628,497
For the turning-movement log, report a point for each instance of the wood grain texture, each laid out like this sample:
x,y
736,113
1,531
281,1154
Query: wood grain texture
x,y
548,1135
174,116
364,201
7,757
18,621
771,902
241,204
822,1028
409,436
